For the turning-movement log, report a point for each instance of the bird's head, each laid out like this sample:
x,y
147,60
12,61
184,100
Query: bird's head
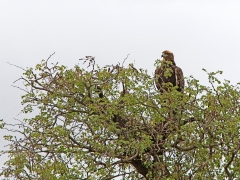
x,y
168,56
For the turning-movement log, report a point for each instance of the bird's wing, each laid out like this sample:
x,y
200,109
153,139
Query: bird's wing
x,y
179,78
158,73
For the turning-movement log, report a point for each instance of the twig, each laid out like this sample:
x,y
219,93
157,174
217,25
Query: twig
x,y
125,59
16,66
20,88
49,58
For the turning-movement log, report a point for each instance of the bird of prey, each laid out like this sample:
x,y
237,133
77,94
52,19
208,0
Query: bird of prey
x,y
169,72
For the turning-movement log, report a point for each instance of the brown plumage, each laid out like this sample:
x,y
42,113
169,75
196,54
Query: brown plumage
x,y
169,72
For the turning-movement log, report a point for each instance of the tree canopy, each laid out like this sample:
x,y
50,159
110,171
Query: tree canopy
x,y
109,122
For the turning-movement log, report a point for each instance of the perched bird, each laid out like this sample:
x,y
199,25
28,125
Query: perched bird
x,y
169,72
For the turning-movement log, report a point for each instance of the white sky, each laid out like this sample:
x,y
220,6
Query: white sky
x,y
201,34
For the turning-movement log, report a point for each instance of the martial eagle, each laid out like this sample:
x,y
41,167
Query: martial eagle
x,y
169,72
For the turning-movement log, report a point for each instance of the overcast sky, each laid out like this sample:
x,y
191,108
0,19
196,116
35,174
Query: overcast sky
x,y
201,34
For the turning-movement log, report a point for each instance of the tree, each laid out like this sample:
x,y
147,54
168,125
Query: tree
x,y
103,123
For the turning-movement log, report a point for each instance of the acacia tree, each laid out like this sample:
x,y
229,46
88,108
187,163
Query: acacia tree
x,y
103,123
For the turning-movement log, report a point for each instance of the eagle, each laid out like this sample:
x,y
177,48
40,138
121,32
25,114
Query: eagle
x,y
169,72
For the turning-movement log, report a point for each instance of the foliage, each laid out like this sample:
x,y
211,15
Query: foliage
x,y
101,123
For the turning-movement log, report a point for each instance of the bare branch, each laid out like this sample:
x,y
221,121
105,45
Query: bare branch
x,y
49,58
16,66
125,60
